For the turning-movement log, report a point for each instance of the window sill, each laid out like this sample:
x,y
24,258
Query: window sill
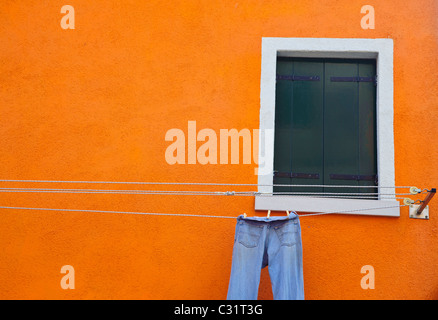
x,y
344,206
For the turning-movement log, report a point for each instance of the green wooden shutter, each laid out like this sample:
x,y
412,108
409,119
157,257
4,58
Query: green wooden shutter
x,y
299,131
341,123
325,124
367,126
283,128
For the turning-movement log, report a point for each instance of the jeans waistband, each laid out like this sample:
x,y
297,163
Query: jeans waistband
x,y
291,216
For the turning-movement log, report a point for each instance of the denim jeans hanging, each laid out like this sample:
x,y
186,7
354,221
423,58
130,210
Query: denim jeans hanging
x,y
273,242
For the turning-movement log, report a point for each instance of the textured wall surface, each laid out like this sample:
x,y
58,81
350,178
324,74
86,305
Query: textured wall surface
x,y
94,103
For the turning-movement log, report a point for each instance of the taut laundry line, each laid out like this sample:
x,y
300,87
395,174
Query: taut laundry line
x,y
336,193
252,192
121,212
185,214
109,191
365,195
349,211
204,184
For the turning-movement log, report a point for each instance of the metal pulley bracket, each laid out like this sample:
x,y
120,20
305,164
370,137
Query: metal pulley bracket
x,y
414,190
420,211
413,209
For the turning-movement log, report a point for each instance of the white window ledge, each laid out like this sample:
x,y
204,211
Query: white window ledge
x,y
389,208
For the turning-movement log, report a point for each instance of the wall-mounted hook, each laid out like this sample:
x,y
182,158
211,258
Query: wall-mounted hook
x,y
421,211
426,200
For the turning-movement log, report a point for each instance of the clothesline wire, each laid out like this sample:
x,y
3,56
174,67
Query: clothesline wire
x,y
188,192
191,192
120,212
216,194
189,215
203,184
350,211
209,193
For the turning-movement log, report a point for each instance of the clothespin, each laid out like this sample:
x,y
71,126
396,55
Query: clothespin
x,y
269,214
244,215
287,213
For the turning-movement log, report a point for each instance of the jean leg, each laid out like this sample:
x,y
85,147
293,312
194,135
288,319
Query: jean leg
x,y
285,256
247,260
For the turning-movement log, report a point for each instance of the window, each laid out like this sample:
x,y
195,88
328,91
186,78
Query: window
x,y
324,49
325,126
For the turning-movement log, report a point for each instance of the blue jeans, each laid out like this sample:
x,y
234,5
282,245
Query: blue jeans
x,y
259,242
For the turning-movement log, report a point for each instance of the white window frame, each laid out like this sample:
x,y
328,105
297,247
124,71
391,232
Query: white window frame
x,y
379,49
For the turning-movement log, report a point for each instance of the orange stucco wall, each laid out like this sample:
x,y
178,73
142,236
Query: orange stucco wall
x,y
94,103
